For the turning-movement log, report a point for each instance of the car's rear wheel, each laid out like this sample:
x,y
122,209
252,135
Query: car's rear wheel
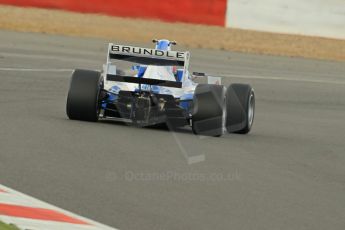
x,y
240,104
83,100
208,111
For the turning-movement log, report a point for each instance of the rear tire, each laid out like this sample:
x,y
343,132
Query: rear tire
x,y
83,96
208,111
240,104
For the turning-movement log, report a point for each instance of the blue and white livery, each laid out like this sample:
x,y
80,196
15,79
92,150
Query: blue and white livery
x,y
147,87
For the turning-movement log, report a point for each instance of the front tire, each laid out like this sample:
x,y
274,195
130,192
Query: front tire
x,y
207,117
240,104
83,95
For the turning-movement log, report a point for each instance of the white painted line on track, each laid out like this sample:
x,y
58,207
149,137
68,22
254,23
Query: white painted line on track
x,y
47,57
35,70
283,79
256,77
54,51
14,199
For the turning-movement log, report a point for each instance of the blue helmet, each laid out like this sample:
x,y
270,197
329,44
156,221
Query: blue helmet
x,y
164,44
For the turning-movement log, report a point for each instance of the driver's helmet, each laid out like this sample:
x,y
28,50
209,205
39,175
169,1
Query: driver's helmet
x,y
165,45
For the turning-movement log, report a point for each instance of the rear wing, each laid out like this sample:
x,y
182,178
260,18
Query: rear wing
x,y
145,56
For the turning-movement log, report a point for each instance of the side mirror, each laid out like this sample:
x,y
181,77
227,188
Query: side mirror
x,y
154,40
174,43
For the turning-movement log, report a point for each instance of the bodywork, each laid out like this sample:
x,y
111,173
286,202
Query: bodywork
x,y
156,88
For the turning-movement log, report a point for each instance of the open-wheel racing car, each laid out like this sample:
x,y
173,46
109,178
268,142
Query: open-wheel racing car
x,y
148,87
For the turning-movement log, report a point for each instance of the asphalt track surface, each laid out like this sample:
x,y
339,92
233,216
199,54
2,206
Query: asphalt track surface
x,y
289,173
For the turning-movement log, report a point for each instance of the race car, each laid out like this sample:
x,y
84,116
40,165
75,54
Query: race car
x,y
147,87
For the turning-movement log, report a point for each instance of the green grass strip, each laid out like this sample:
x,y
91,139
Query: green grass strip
x,y
4,226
